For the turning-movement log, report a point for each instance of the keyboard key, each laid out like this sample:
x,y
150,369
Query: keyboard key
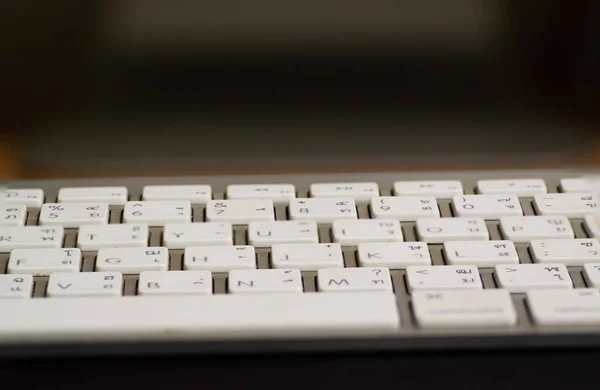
x,y
278,193
464,309
195,194
353,232
440,230
575,184
354,279
95,237
221,315
43,262
111,195
480,253
360,192
404,208
307,257
518,187
85,284
13,214
30,197
571,205
264,234
219,258
322,210
132,260
486,206
592,225
449,277
265,281
240,211
520,278
591,273
157,213
182,235
574,307
16,286
569,252
393,255
441,189
175,283
73,215
525,229
16,237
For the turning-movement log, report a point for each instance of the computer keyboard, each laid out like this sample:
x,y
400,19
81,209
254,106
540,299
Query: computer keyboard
x,y
380,261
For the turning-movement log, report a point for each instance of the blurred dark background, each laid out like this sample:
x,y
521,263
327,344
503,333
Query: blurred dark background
x,y
145,86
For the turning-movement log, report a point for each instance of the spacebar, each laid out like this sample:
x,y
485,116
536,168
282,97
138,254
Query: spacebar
x,y
197,317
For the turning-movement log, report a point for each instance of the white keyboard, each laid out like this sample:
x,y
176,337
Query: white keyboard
x,y
380,255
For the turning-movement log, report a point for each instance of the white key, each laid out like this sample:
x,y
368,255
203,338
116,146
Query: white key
x,y
114,196
480,253
219,258
95,237
575,184
85,284
591,273
520,278
195,194
322,210
240,211
525,229
486,206
30,197
73,215
441,189
404,208
199,317
265,281
440,230
43,262
16,286
578,251
354,279
264,234
448,277
571,205
182,235
464,309
13,214
16,237
518,187
580,306
592,224
393,255
132,260
360,192
278,193
307,257
353,232
175,283
157,213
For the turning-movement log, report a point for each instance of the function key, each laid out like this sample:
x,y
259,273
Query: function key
x,y
113,196
518,187
441,189
360,192
195,194
30,197
278,193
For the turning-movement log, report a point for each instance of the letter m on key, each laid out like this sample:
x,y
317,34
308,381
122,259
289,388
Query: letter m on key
x,y
338,283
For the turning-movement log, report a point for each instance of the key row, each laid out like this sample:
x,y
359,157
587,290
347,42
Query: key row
x,y
283,193
519,278
269,233
306,257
